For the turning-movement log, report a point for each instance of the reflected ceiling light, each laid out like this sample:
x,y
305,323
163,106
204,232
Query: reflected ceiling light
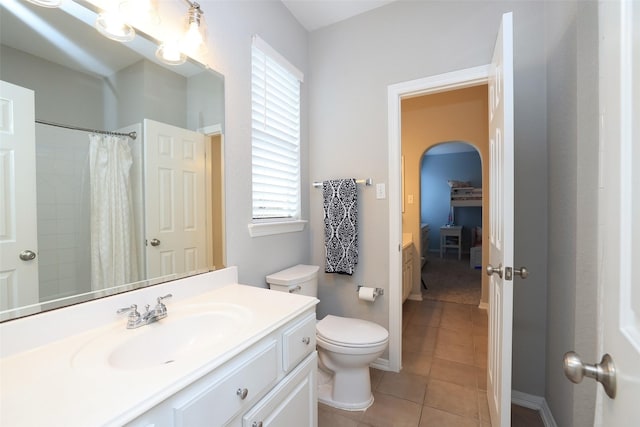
x,y
191,43
111,25
46,3
193,40
169,52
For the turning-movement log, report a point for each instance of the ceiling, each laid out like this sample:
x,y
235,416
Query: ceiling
x,y
315,14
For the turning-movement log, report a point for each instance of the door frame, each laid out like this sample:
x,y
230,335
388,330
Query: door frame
x,y
395,94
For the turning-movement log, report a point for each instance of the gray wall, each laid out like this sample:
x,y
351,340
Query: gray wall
x,y
572,91
230,27
352,64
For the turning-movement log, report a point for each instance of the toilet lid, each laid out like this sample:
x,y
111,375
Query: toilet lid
x,y
351,332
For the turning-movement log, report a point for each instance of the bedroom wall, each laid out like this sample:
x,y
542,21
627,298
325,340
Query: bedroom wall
x,y
353,62
435,194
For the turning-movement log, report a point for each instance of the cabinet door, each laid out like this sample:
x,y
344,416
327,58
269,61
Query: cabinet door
x,y
292,403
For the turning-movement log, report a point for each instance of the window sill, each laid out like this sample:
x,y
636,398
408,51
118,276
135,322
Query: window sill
x,y
260,229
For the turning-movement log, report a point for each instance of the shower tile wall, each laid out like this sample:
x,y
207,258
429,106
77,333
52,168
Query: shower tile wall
x,y
62,181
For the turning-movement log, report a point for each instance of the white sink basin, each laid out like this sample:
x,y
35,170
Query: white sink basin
x,y
185,332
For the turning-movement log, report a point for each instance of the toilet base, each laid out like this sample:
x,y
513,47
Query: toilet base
x,y
325,394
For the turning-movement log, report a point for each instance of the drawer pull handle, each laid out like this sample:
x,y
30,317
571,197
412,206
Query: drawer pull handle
x,y
242,393
257,424
306,340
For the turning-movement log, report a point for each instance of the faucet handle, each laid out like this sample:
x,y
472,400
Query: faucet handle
x,y
134,317
159,299
161,309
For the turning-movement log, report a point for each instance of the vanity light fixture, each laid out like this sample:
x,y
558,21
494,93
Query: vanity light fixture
x,y
111,25
192,42
46,3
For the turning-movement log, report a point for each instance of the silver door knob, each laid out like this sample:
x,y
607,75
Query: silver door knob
x,y
27,255
522,272
154,242
242,393
491,270
603,372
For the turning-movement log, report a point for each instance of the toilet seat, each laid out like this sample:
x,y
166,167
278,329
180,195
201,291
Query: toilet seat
x,y
349,332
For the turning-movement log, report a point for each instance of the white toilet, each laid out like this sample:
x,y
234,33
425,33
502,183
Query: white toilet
x,y
346,346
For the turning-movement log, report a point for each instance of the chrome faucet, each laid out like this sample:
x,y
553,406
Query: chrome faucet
x,y
135,319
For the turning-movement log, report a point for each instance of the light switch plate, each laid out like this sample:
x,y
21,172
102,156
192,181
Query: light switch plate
x,y
380,191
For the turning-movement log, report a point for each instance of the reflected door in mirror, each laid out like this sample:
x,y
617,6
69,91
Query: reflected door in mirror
x,y
175,200
18,227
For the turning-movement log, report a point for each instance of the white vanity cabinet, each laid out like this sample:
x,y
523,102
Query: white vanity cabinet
x,y
271,383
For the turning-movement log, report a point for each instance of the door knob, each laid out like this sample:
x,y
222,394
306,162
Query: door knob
x,y
522,272
154,242
27,255
491,270
603,372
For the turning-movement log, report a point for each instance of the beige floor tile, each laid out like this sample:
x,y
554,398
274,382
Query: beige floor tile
x,y
375,375
479,330
432,417
328,418
390,411
479,317
355,416
451,397
403,385
461,338
455,323
416,363
453,372
481,378
420,340
455,353
430,317
483,407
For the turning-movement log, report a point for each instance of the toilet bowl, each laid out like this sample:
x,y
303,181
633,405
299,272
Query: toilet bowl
x,y
346,346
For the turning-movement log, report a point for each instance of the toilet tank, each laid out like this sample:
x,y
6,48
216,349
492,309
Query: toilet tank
x,y
300,279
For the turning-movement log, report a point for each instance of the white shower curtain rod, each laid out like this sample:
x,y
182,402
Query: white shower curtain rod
x,y
366,181
132,135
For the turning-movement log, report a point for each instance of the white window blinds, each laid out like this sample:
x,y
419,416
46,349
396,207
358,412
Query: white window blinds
x,y
275,134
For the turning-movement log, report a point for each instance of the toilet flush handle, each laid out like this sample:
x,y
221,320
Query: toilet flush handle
x,y
296,289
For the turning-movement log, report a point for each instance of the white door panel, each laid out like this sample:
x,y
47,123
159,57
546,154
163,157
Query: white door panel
x,y
501,225
175,200
18,226
619,209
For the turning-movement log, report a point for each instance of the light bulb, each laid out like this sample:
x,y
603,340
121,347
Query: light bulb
x,y
193,37
111,25
169,53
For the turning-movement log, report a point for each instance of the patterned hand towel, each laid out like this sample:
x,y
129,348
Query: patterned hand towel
x,y
340,225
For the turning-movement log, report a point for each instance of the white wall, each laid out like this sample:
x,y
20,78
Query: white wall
x,y
571,42
352,64
231,25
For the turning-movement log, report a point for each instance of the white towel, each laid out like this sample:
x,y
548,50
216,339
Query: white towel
x,y
340,225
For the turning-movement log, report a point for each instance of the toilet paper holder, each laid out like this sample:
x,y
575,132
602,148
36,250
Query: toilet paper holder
x,y
376,291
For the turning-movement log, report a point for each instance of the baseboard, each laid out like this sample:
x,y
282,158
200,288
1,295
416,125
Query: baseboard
x,y
382,364
483,305
415,297
534,402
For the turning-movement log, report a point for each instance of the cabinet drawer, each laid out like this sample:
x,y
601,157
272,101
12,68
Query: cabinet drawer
x,y
293,402
217,404
298,341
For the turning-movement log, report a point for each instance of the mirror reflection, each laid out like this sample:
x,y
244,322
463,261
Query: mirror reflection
x,y
112,162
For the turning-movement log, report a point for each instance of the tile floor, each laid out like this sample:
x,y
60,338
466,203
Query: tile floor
x,y
443,380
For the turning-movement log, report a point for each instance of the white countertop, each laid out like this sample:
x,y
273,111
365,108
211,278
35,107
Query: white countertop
x,y
41,386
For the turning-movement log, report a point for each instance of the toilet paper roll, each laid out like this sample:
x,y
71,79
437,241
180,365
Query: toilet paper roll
x,y
367,294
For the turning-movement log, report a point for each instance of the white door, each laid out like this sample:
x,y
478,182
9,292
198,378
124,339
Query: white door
x,y
501,225
174,200
619,226
18,228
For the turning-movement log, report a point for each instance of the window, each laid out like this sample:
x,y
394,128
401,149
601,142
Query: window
x,y
275,135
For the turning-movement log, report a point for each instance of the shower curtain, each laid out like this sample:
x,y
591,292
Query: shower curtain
x,y
113,244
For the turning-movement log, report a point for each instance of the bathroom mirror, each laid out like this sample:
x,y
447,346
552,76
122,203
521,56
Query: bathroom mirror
x,y
81,79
